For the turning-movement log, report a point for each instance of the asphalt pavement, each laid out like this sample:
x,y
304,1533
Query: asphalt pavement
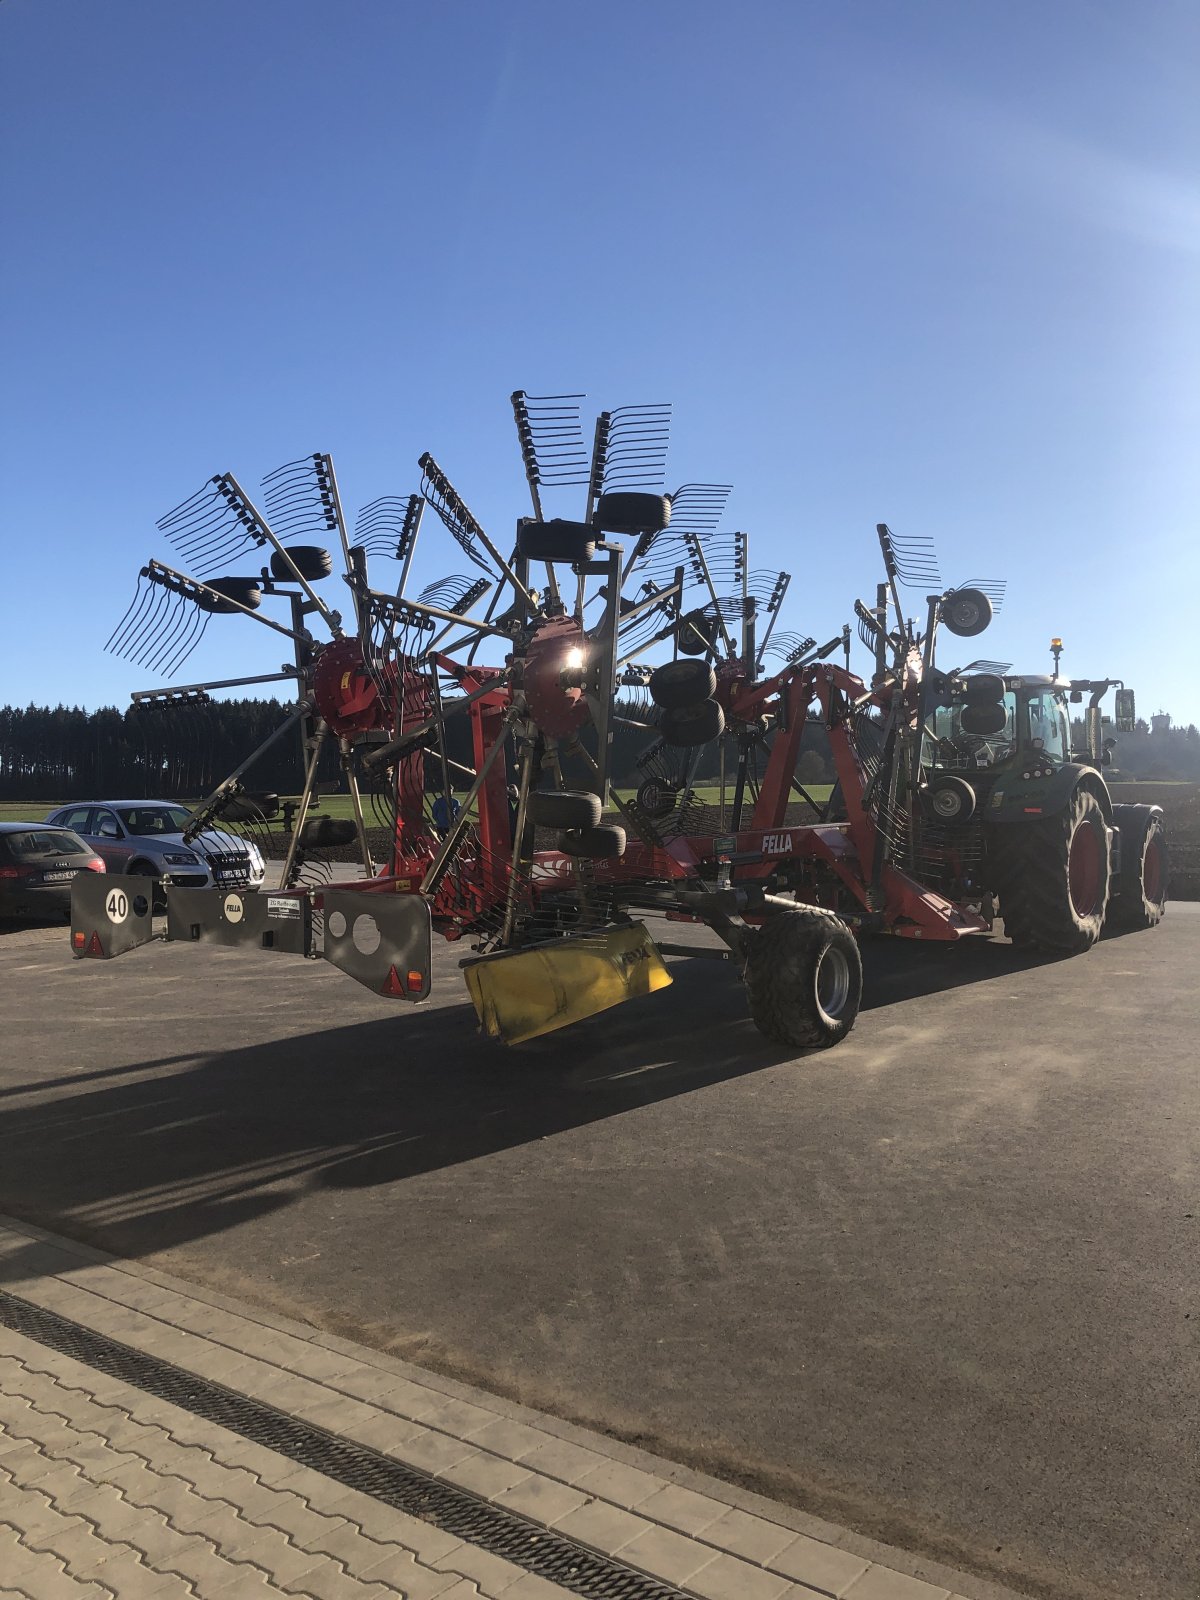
x,y
937,1285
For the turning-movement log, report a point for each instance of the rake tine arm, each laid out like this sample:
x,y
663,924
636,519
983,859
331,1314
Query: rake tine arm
x,y
332,621
139,695
698,554
157,570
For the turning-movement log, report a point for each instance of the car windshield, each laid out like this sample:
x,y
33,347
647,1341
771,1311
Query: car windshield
x,y
154,819
45,842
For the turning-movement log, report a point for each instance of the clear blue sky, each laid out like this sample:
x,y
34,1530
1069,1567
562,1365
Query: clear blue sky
x,y
932,263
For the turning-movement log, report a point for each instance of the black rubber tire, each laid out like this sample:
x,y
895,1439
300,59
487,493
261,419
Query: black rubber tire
x,y
984,718
556,541
682,683
245,591
949,798
158,893
696,633
692,725
1030,869
600,844
657,798
626,511
327,833
804,978
984,688
966,612
250,808
1141,899
564,808
312,562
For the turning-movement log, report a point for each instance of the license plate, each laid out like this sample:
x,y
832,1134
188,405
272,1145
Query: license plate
x,y
57,877
232,878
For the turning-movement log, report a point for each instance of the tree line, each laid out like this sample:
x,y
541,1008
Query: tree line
x,y
162,750
154,751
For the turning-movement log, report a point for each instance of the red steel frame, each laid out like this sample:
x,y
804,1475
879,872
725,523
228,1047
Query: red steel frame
x,y
841,852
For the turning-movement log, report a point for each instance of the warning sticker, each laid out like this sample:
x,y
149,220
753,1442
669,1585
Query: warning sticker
x,y
283,908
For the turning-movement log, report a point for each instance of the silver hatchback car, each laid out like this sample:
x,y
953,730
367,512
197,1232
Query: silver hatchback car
x,y
146,836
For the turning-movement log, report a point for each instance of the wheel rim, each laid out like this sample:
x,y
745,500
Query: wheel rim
x,y
1083,869
833,983
1152,872
947,803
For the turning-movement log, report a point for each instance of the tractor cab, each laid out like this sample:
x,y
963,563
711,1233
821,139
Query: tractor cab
x,y
1026,723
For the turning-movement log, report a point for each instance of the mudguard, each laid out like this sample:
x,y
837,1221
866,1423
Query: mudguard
x,y
1019,799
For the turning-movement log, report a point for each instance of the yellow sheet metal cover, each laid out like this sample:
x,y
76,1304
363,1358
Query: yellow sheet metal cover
x,y
523,993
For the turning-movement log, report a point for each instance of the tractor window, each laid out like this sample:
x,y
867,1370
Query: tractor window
x,y
948,744
1046,726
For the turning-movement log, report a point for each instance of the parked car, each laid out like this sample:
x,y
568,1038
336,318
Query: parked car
x,y
37,864
146,837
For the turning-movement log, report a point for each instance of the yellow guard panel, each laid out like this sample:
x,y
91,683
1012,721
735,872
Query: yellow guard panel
x,y
523,993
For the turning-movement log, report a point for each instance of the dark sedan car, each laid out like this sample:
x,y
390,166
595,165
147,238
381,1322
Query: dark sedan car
x,y
37,864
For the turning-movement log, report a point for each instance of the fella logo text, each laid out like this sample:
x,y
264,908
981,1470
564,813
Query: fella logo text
x,y
776,844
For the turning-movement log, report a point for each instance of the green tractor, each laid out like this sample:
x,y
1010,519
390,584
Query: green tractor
x,y
1006,810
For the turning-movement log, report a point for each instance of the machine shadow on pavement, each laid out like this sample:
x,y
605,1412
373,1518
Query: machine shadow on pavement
x,y
166,1151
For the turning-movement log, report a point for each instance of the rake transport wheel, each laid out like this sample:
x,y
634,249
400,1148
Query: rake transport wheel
x,y
565,808
1143,878
605,843
689,726
804,978
1053,876
682,683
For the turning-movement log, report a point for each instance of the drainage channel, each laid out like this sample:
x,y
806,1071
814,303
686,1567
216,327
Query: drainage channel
x,y
456,1511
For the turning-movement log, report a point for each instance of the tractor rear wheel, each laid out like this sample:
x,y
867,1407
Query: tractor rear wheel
x,y
804,978
1142,884
1053,876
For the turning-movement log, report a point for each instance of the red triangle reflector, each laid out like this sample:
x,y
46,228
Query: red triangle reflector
x,y
95,948
392,984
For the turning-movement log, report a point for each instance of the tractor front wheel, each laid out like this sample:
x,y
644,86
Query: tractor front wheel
x,y
804,978
1053,876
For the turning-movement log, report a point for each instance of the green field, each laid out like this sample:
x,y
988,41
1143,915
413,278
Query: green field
x,y
338,805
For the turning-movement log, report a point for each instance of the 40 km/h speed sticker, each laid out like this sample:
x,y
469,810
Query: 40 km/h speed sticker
x,y
116,905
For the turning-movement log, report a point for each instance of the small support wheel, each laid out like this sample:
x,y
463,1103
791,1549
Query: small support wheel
x,y
600,844
629,511
692,725
682,683
557,540
804,978
565,808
